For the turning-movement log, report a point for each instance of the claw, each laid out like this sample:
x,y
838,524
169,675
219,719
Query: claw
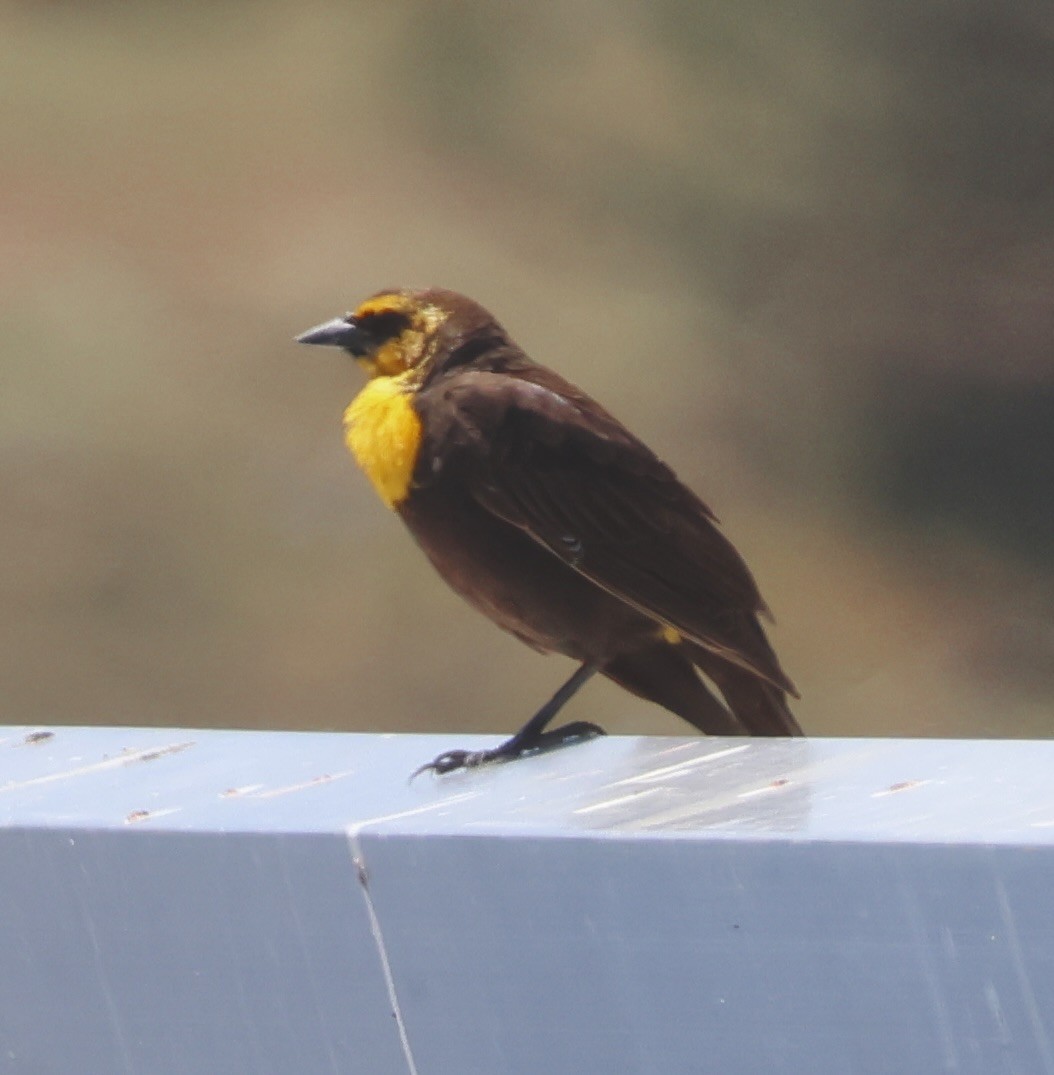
x,y
450,761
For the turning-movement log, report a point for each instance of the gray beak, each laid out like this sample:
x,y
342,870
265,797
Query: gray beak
x,y
340,332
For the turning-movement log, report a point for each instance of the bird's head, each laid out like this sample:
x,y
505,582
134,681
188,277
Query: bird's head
x,y
402,331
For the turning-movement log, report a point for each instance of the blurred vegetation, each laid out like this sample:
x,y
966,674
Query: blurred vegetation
x,y
807,253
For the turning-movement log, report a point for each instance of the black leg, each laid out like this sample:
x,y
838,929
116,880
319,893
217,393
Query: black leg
x,y
530,739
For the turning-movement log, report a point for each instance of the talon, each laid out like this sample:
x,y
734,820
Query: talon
x,y
448,762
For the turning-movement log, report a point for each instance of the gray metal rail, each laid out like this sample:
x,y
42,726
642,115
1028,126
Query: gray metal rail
x,y
177,901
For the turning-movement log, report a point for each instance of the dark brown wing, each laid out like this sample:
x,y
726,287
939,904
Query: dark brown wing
x,y
542,455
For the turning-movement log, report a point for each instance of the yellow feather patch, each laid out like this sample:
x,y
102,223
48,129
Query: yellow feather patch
x,y
410,348
383,432
671,635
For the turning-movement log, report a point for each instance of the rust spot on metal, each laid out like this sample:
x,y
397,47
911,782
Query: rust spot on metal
x,y
901,785
160,752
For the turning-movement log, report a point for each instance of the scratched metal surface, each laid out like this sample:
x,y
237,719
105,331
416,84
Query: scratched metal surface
x,y
264,902
920,790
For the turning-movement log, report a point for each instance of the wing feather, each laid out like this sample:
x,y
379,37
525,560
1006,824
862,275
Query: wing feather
x,y
563,470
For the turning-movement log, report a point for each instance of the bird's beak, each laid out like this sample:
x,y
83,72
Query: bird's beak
x,y
340,332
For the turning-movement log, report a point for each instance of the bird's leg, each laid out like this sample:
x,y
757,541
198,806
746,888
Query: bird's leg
x,y
531,738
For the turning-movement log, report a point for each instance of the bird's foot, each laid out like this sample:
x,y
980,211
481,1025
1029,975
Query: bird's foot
x,y
516,747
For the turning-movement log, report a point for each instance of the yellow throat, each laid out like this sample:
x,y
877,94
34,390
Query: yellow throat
x,y
383,433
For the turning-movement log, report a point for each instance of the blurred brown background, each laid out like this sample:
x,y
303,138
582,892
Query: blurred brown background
x,y
806,252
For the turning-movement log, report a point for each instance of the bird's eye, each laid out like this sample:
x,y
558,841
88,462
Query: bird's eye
x,y
384,326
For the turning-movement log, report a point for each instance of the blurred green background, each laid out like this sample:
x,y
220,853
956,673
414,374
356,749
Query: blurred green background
x,y
805,251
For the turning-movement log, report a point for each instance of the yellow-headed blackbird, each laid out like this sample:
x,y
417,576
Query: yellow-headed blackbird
x,y
552,519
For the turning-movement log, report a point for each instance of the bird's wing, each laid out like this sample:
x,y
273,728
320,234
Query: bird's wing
x,y
537,452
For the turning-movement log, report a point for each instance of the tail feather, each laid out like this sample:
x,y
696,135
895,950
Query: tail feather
x,y
760,705
663,674
666,674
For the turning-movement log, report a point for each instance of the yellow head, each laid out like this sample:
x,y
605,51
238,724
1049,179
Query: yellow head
x,y
394,336
402,339
390,334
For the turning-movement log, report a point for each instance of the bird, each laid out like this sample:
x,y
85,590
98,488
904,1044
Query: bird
x,y
547,515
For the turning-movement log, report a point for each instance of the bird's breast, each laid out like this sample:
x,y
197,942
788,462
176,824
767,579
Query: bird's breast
x,y
383,432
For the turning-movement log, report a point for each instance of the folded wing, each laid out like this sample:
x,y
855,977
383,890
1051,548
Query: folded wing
x,y
535,451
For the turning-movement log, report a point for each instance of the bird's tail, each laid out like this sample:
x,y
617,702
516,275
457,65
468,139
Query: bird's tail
x,y
666,674
760,706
